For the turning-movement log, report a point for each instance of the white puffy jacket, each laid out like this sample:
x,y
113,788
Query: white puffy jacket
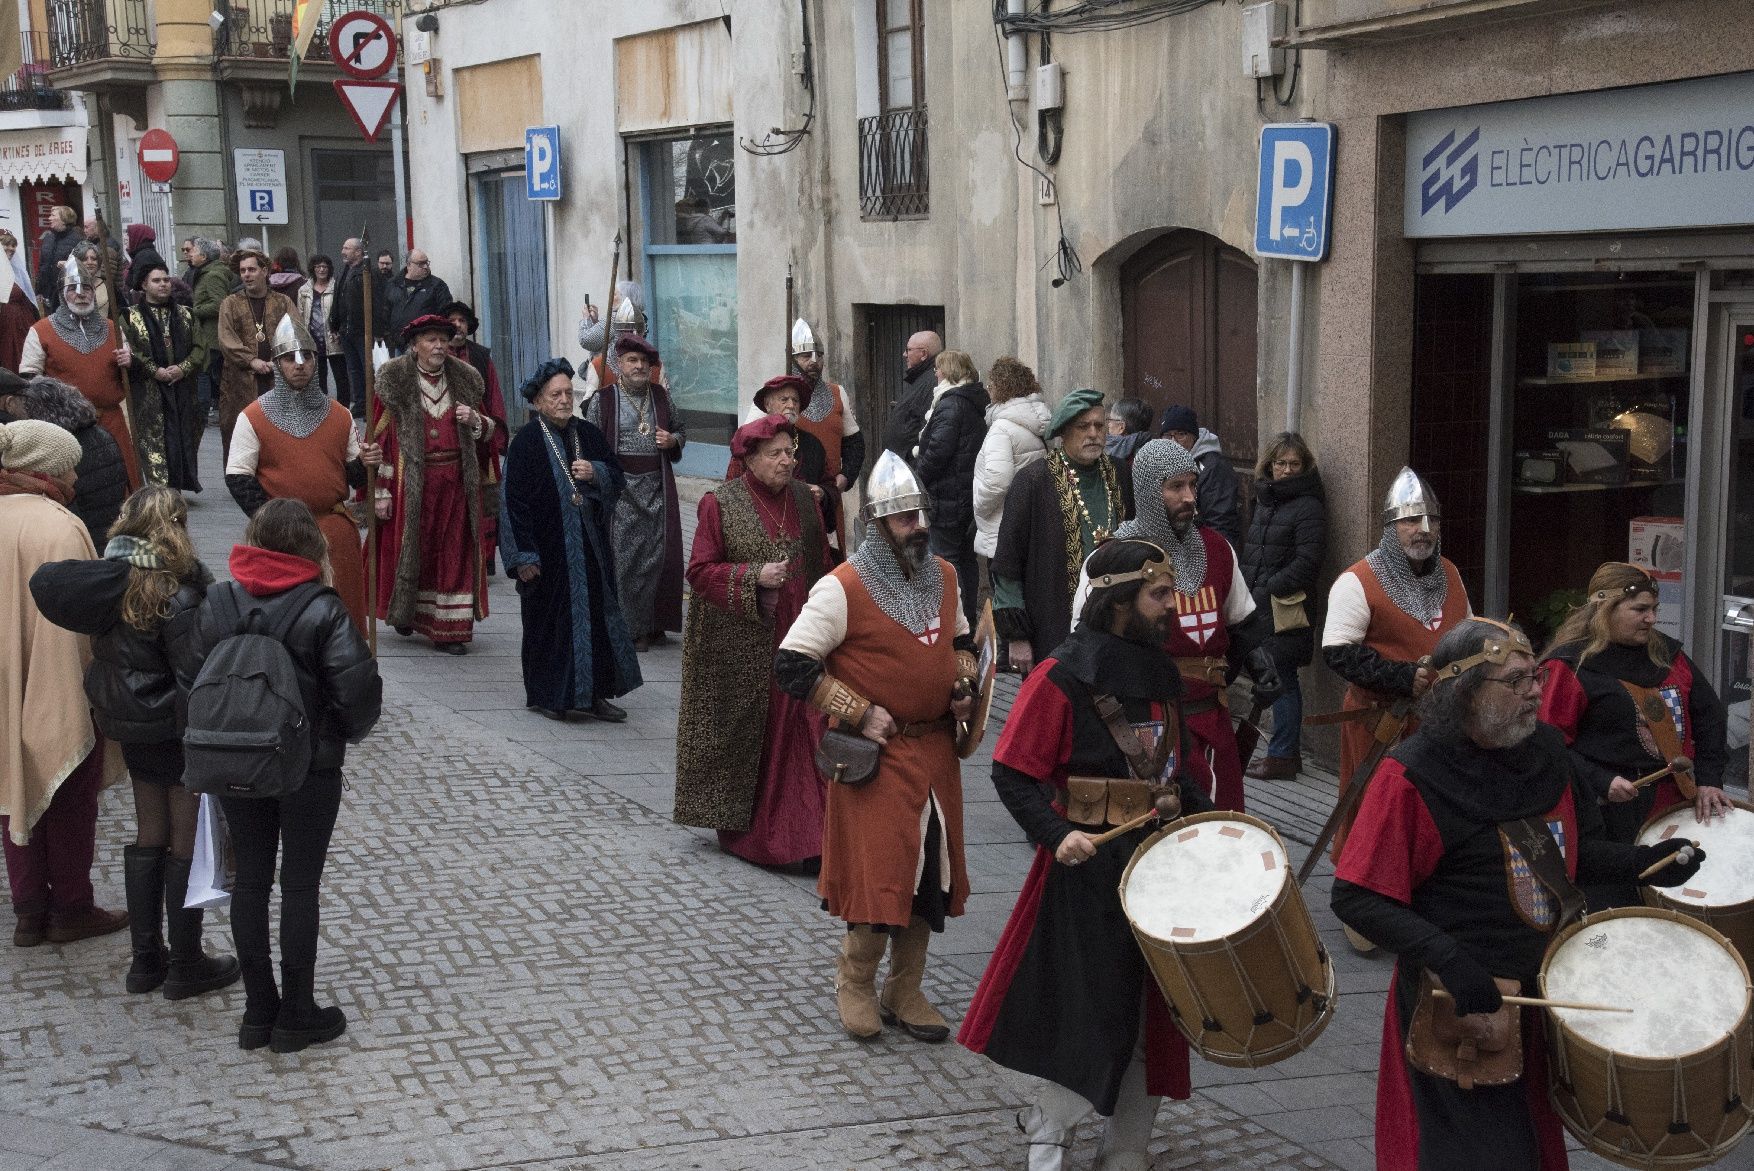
x,y
1014,441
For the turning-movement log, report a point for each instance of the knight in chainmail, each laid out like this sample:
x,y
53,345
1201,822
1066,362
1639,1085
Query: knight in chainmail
x,y
1217,630
294,441
882,648
829,413
1385,614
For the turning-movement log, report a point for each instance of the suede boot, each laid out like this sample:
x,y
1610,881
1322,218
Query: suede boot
x,y
87,922
902,1002
855,982
192,971
261,1002
301,1023
32,926
143,877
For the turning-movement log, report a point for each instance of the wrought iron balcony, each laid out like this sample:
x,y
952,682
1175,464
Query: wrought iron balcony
x,y
262,29
83,31
892,165
29,88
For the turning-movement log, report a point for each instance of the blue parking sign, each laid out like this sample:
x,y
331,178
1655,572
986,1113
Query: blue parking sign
x,y
261,200
1295,192
542,162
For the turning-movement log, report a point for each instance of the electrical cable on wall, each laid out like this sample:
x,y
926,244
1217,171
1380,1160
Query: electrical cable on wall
x,y
779,141
1065,259
1092,16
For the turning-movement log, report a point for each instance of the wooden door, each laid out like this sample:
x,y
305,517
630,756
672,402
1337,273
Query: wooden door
x,y
1188,309
885,330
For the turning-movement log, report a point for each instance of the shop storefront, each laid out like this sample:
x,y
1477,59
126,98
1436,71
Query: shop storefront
x,y
41,168
1583,349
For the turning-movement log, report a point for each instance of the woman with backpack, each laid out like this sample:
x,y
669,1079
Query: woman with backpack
x,y
138,605
278,584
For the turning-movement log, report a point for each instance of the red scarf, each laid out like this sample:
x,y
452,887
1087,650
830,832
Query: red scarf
x,y
34,484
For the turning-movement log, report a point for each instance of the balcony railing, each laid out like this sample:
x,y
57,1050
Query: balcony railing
x,y
29,88
892,165
93,30
263,28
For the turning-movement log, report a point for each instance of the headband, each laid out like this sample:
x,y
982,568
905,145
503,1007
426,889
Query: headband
x,y
1647,586
1147,572
1497,650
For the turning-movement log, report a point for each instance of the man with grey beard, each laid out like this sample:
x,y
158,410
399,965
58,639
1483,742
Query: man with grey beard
x,y
81,347
1461,862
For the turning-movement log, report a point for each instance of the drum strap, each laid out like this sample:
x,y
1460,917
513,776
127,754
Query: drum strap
x,y
1534,841
1145,766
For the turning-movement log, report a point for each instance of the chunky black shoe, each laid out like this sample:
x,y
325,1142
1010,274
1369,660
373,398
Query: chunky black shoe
x,y
143,879
192,971
261,1003
608,712
451,648
301,1023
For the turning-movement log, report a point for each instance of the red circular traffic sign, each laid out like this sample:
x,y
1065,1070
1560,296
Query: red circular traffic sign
x,y
362,44
159,155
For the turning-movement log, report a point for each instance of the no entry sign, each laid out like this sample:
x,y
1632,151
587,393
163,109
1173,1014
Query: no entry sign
x,y
159,155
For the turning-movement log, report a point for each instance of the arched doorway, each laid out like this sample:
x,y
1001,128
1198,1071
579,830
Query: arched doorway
x,y
1188,333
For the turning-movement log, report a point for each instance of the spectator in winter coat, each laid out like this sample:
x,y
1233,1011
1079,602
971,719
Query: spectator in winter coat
x,y
103,476
908,409
1016,425
1287,541
415,293
1129,429
1217,495
53,249
950,440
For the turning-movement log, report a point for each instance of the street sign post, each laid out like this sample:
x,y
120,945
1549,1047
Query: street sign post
x,y
261,185
363,45
1293,208
542,162
369,103
159,156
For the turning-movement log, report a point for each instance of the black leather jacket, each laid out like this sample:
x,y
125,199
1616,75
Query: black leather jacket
x,y
131,681
337,675
949,444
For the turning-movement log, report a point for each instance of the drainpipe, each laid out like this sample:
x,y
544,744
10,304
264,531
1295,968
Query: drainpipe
x,y
1016,58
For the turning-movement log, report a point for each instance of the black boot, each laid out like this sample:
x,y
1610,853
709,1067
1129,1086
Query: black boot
x,y
192,971
261,1002
301,1023
143,877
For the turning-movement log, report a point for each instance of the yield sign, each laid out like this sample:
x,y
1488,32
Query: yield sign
x,y
369,102
159,155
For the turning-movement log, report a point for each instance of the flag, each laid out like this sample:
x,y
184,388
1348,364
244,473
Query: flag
x,y
305,16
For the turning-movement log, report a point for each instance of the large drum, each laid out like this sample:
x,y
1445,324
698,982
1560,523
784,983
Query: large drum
x,y
1669,1084
1722,893
1224,929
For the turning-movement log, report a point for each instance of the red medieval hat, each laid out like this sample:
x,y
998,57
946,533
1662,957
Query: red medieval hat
x,y
753,434
633,343
427,323
783,382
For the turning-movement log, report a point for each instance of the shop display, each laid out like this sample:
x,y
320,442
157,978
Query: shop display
x,y
1592,455
1571,359
1616,351
1662,351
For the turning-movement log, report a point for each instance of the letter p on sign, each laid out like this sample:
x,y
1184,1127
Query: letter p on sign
x,y
542,162
1295,185
1292,180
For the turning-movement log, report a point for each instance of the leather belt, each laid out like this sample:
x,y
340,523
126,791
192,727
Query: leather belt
x,y
448,456
921,728
1205,669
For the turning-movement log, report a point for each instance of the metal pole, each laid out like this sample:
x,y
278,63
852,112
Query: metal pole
x,y
1294,359
404,225
368,269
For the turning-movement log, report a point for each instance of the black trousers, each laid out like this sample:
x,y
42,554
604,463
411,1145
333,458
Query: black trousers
x,y
297,827
959,551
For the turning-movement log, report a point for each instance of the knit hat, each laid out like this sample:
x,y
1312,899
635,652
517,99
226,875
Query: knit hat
x,y
1074,404
1178,419
31,445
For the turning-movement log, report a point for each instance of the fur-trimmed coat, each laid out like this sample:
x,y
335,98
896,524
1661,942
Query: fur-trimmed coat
x,y
400,428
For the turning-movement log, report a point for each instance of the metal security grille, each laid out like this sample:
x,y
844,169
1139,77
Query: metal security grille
x,y
263,28
892,165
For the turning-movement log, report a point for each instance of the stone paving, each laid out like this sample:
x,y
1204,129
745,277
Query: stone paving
x,y
541,970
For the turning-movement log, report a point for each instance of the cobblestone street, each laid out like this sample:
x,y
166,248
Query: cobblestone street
x,y
540,970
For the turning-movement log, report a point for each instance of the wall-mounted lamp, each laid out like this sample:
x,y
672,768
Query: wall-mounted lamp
x,y
427,22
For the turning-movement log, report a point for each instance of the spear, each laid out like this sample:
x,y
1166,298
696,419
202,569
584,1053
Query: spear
x,y
371,398
787,323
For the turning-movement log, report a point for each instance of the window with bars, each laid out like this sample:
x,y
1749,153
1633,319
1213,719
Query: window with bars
x,y
892,142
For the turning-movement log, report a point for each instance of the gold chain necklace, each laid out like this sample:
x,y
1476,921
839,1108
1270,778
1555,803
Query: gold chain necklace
x,y
578,499
1099,532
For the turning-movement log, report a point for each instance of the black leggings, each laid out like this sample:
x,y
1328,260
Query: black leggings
x,y
300,825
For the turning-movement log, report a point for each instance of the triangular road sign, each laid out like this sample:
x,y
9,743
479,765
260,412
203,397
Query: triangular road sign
x,y
369,102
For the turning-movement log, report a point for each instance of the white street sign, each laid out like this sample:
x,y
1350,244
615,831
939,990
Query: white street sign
x,y
261,185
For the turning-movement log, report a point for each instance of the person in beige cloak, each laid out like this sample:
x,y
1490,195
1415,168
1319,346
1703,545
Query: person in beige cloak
x,y
52,760
247,321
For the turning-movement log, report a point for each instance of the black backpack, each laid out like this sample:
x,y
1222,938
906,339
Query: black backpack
x,y
247,733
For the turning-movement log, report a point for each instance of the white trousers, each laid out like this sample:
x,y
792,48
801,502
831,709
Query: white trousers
x,y
1056,1112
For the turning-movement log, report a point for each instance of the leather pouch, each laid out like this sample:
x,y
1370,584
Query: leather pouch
x,y
1437,1044
1087,800
847,758
1290,613
1128,800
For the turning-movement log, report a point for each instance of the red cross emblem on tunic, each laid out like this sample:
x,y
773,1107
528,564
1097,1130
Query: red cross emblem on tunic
x,y
1198,614
929,636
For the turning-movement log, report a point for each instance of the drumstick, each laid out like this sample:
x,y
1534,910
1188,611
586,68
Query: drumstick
x,y
1684,854
1679,765
1538,1002
1117,831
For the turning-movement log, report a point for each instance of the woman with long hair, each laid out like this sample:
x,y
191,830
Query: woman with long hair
x,y
138,604
283,550
316,301
1629,700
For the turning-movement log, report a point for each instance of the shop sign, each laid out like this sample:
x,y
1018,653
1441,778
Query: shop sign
x,y
1677,155
43,154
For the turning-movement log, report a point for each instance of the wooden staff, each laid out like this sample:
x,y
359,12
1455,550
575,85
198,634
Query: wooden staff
x,y
787,323
609,305
1540,1002
371,481
107,270
1684,854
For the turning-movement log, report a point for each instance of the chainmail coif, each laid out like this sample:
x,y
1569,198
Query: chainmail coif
x,y
1419,596
296,412
1156,462
916,602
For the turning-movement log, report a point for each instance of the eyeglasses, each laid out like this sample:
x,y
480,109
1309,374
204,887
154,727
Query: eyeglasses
x,y
1519,680
1290,465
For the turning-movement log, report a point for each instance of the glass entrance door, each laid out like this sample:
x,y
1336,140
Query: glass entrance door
x,y
1735,611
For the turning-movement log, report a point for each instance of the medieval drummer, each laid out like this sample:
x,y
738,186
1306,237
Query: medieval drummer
x,y
882,647
1067,996
828,415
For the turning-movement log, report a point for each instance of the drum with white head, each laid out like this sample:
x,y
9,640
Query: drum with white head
x,y
1226,934
1668,1084
1721,894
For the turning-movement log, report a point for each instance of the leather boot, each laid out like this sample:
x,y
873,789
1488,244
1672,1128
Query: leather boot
x,y
855,982
1276,768
32,926
87,922
300,1023
143,877
902,1002
261,1002
192,971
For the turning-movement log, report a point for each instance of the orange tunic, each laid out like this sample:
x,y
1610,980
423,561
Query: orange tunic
x,y
101,381
872,833
1393,634
827,430
314,470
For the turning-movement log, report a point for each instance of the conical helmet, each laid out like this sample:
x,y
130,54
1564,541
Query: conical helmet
x,y
1409,497
73,274
629,317
893,488
292,339
804,340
